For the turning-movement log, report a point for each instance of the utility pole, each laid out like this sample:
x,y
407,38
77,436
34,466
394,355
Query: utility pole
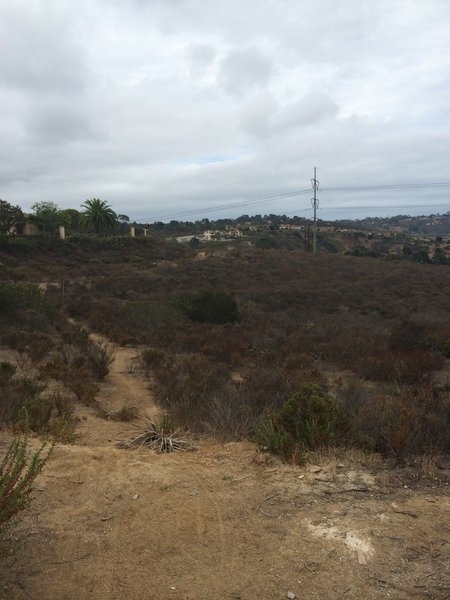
x,y
315,204
307,237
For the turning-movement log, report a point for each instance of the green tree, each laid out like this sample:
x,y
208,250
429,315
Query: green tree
x,y
72,219
123,220
98,214
10,216
47,216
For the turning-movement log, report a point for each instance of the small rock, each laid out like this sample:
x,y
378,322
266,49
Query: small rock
x,y
136,496
291,596
315,469
262,458
340,466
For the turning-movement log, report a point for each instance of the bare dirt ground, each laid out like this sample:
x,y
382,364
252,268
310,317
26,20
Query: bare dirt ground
x,y
221,522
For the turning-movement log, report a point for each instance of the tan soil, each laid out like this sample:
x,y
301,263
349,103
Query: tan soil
x,y
222,522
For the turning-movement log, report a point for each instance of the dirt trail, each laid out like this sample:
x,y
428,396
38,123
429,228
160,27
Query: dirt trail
x,y
124,386
221,522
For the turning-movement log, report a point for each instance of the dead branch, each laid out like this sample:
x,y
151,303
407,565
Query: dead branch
x,y
329,492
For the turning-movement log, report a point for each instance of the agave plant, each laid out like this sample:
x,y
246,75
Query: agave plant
x,y
157,435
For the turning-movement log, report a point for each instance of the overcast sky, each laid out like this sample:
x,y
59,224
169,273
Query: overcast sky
x,y
167,107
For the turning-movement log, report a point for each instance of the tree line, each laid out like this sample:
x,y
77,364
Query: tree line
x,y
95,215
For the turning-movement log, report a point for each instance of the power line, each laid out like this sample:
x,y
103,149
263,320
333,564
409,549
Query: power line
x,y
226,206
357,188
366,206
351,188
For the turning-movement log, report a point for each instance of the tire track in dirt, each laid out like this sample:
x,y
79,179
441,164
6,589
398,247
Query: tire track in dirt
x,y
198,477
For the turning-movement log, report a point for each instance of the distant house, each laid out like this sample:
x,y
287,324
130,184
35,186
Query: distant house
x,y
27,227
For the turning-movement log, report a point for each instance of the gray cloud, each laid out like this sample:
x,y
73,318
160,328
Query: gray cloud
x,y
39,53
162,106
244,69
58,122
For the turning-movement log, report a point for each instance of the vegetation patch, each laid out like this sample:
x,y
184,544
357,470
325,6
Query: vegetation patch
x,y
211,307
18,470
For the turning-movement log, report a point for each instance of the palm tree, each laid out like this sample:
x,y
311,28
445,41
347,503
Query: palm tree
x,y
98,214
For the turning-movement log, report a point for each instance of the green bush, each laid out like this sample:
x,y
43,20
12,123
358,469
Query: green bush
x,y
310,417
212,307
143,318
7,371
17,395
24,408
266,243
20,296
34,415
271,436
18,470
307,421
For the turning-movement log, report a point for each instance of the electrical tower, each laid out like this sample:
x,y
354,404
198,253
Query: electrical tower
x,y
315,205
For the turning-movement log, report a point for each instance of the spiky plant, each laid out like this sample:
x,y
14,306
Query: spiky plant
x,y
157,435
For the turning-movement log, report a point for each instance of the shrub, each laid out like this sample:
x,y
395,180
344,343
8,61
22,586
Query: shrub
x,y
99,357
16,296
407,335
34,415
17,396
152,357
62,425
271,436
307,421
310,417
18,470
182,382
38,347
147,315
266,243
402,367
80,383
228,415
409,421
7,371
80,367
24,408
212,307
424,415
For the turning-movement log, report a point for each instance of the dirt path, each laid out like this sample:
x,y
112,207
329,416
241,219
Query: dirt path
x,y
221,522
124,386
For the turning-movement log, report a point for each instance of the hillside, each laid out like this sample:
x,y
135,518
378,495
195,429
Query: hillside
x,y
336,364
